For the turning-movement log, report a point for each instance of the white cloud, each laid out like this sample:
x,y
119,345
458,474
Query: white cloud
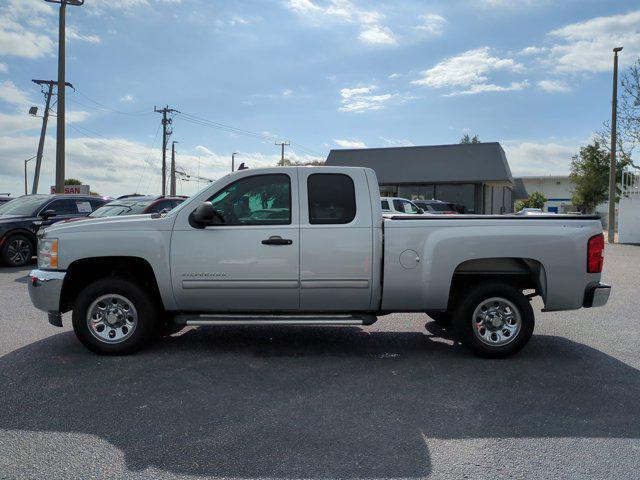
x,y
399,142
393,76
512,4
350,143
490,87
361,99
16,40
533,158
532,50
470,70
287,92
372,32
3,68
73,34
377,35
432,23
10,93
127,98
554,86
76,116
587,46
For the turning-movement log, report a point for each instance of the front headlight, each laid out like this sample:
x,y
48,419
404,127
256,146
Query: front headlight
x,y
48,253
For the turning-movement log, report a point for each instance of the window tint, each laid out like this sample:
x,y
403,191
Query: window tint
x,y
385,204
65,206
256,200
397,205
158,207
332,198
404,206
96,203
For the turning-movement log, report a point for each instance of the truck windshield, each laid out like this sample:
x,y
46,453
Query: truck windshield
x,y
26,206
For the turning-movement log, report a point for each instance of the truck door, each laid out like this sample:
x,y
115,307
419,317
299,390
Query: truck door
x,y
336,240
249,263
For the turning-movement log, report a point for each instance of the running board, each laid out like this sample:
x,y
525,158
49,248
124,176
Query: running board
x,y
291,320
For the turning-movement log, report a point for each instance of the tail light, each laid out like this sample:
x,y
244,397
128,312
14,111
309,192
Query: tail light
x,y
595,249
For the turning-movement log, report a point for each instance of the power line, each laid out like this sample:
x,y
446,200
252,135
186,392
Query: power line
x,y
102,106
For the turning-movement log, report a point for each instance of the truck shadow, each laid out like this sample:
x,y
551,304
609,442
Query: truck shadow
x,y
312,402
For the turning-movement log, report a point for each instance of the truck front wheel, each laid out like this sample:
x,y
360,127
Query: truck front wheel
x,y
494,320
114,316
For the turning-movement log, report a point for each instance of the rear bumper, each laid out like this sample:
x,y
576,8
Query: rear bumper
x,y
596,295
45,288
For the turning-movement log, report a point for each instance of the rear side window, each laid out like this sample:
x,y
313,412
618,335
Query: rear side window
x,y
332,198
65,206
385,204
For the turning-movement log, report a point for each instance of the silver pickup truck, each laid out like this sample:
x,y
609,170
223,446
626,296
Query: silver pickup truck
x,y
310,246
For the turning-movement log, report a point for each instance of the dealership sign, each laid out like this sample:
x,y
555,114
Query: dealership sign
x,y
79,189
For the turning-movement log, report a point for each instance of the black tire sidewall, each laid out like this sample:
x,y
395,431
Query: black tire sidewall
x,y
5,250
463,319
143,303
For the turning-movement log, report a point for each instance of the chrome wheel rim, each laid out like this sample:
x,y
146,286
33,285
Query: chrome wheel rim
x,y
112,318
19,251
496,321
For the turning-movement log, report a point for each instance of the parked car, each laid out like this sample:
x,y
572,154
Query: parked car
x,y
533,211
399,205
4,198
318,258
437,207
133,205
21,218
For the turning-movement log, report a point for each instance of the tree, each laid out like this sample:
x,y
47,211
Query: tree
x,y
535,200
628,125
467,139
288,163
590,175
72,181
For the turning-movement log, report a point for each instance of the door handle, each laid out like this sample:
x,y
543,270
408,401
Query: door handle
x,y
276,240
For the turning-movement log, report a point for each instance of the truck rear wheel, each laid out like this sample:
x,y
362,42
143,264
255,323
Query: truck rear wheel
x,y
494,320
114,316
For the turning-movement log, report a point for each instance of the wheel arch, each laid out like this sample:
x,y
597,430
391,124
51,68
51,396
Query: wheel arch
x,y
83,272
522,273
22,231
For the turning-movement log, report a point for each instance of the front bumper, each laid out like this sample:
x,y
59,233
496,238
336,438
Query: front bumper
x,y
596,295
45,288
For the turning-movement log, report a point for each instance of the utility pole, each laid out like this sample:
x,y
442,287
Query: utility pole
x,y
60,133
612,164
166,133
282,145
233,160
172,190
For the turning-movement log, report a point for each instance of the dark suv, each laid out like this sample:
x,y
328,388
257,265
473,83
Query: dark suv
x,y
21,218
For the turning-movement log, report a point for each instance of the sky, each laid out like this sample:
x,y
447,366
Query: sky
x,y
321,74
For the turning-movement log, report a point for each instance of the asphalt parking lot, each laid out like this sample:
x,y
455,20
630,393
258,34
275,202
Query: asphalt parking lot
x,y
391,400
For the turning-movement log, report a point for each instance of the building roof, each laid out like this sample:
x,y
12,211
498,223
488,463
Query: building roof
x,y
475,162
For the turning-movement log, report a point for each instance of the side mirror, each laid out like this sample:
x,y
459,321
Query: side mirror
x,y
205,216
47,214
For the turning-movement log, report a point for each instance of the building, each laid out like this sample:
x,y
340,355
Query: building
x,y
476,176
558,190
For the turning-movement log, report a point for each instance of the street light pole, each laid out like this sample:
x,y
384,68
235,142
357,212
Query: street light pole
x,y
233,160
25,173
60,133
612,164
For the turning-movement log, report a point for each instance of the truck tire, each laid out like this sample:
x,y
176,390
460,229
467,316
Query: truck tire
x,y
114,316
494,320
17,251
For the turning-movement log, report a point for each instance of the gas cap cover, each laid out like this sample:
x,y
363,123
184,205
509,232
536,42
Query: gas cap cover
x,y
409,259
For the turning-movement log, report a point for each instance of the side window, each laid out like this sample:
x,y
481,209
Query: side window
x,y
332,198
409,207
255,200
397,205
64,206
159,206
95,204
385,204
